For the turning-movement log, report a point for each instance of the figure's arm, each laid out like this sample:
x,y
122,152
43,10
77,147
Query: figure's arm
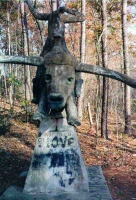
x,y
74,16
40,16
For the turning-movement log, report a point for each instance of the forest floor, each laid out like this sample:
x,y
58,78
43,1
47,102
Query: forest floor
x,y
116,156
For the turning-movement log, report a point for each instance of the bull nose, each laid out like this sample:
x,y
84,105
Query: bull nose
x,y
57,34
54,97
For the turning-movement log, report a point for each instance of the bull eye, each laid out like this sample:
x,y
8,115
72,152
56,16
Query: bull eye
x,y
70,80
48,78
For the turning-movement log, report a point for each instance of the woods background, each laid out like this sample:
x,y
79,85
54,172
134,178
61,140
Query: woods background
x,y
107,38
100,42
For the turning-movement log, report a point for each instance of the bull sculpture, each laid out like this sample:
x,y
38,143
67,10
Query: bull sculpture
x,y
57,69
56,36
56,29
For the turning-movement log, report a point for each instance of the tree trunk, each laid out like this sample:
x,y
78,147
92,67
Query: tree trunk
x,y
9,53
26,53
104,132
39,27
80,75
127,92
53,5
5,83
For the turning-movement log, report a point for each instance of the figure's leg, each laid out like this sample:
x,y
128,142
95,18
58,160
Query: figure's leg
x,y
71,111
78,85
42,109
35,93
36,85
36,81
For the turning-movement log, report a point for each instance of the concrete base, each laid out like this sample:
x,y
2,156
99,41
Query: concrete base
x,y
98,189
57,166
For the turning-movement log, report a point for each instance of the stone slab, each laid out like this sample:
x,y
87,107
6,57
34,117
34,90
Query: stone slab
x,y
98,190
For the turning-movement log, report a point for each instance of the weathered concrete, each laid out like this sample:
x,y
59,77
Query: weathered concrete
x,y
57,166
98,190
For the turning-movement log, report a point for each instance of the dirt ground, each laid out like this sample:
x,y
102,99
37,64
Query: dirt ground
x,y
116,156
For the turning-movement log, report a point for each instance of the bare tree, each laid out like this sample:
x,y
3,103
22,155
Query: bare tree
x,y
104,132
26,53
9,53
80,75
127,92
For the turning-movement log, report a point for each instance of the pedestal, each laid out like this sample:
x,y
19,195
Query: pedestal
x,y
57,171
57,166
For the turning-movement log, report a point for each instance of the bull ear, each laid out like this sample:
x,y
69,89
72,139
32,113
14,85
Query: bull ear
x,y
26,60
87,68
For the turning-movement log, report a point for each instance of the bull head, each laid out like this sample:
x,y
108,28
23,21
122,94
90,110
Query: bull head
x,y
80,67
59,77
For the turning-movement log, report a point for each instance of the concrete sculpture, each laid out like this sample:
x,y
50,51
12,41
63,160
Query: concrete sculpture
x,y
57,165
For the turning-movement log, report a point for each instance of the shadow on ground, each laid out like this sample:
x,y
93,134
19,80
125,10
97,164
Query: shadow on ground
x,y
11,165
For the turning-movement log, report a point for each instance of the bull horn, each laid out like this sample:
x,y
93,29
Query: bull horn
x,y
87,68
26,60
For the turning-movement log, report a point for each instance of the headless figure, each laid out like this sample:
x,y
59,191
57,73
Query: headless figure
x,y
56,29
